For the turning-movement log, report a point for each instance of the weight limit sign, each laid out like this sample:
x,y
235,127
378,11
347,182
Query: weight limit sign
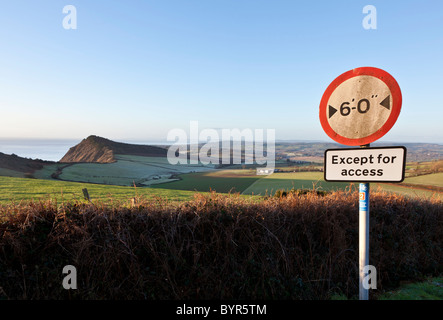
x,y
360,106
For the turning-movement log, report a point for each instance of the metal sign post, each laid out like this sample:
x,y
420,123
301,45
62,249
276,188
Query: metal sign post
x,y
359,107
363,236
365,165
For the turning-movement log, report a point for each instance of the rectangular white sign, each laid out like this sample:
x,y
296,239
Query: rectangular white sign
x,y
383,164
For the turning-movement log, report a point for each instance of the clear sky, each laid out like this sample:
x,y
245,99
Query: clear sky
x,y
133,70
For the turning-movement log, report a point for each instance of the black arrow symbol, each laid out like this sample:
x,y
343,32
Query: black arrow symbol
x,y
386,103
332,110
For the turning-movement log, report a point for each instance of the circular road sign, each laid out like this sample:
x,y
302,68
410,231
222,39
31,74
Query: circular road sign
x,y
360,106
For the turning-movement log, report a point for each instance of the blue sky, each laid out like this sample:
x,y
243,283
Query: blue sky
x,y
133,70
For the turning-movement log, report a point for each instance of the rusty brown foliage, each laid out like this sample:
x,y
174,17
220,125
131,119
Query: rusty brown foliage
x,y
301,246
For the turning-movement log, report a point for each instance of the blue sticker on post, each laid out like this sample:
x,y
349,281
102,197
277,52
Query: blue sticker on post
x,y
364,196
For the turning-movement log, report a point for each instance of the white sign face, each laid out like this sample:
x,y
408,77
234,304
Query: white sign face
x,y
384,164
359,107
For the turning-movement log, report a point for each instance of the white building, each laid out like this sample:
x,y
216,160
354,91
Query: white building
x,y
264,171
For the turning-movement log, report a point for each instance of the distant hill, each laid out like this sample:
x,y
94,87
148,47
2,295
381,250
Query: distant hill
x,y
102,150
416,152
23,165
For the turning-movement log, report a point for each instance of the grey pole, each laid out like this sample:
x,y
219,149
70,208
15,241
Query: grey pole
x,y
363,235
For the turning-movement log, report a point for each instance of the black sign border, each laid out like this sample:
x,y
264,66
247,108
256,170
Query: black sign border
x,y
370,148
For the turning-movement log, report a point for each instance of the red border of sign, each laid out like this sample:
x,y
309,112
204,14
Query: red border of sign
x,y
396,105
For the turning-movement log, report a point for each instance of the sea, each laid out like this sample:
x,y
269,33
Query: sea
x,y
48,149
44,149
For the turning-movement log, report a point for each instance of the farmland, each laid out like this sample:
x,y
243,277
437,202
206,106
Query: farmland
x,y
152,203
297,180
298,166
18,189
241,181
126,171
435,179
223,181
308,180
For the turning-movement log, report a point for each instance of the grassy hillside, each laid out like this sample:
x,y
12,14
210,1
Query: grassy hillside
x,y
101,150
224,181
125,171
11,173
15,166
18,189
434,179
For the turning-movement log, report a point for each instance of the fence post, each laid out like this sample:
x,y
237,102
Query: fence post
x,y
86,194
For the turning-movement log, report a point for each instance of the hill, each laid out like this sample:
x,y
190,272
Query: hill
x,y
21,165
102,150
314,151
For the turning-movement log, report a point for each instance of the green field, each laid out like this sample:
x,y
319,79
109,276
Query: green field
x,y
407,191
298,180
126,171
431,289
433,179
223,181
307,180
17,189
10,173
156,176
